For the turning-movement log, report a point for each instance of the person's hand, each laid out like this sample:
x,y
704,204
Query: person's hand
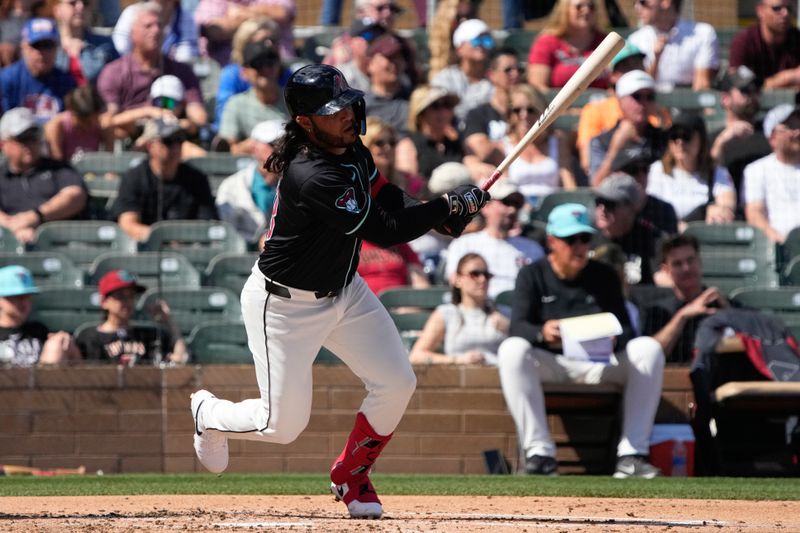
x,y
625,133
453,226
719,214
471,357
25,219
25,234
466,200
551,332
661,41
709,301
160,312
737,128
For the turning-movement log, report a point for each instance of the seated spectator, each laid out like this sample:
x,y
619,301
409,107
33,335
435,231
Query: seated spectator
x,y
381,140
83,52
537,171
116,340
673,317
485,125
125,83
231,77
433,139
448,17
263,101
161,187
217,21
599,116
637,100
742,140
618,200
469,329
180,32
680,53
687,178
467,79
386,98
771,191
34,189
769,46
566,284
570,36
388,268
25,343
504,252
244,198
34,81
169,96
78,129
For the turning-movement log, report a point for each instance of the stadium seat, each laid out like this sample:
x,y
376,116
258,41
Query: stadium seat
x,y
9,243
791,273
687,99
728,273
790,249
82,240
189,307
220,343
326,357
95,165
198,240
581,195
66,309
102,194
505,298
220,164
784,302
520,40
229,270
774,97
167,269
49,269
410,325
427,299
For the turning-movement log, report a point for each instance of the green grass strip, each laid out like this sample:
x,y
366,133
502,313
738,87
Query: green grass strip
x,y
394,484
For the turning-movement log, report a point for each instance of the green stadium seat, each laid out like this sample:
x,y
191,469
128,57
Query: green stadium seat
x,y
95,165
220,343
230,270
521,41
82,240
783,302
790,249
427,299
165,269
9,243
687,99
198,240
102,194
505,298
49,269
327,357
776,97
221,164
581,195
66,309
791,273
410,325
189,307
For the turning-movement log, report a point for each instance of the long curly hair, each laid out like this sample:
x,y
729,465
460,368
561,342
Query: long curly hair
x,y
293,142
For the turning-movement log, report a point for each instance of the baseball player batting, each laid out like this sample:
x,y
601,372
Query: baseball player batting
x,y
304,292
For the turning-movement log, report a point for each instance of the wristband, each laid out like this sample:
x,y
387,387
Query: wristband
x,y
39,215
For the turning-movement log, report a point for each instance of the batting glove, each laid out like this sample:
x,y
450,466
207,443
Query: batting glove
x,y
466,200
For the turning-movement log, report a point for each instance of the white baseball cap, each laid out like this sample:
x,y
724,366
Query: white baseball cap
x,y
16,121
169,86
778,115
634,81
268,132
468,30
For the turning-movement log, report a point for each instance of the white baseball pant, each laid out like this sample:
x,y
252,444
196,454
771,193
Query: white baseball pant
x,y
524,368
285,336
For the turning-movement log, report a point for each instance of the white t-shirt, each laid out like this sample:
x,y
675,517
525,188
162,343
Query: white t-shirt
x,y
691,46
453,80
778,186
683,190
504,257
535,179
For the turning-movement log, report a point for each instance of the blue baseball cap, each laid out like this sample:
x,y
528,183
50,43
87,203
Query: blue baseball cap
x,y
40,29
566,220
16,280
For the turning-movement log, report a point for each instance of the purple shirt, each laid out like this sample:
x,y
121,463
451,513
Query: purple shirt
x,y
749,49
124,83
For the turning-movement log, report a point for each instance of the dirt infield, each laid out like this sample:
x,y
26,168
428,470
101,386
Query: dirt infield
x,y
404,514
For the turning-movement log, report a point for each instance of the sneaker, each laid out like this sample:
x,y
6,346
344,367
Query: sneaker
x,y
635,466
211,446
360,497
541,465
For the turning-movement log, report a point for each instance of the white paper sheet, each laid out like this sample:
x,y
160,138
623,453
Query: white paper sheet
x,y
589,337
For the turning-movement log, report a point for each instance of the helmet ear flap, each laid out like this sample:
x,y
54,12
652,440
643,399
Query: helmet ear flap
x,y
360,111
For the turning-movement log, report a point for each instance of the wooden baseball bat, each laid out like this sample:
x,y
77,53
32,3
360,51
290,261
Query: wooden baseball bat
x,y
583,77
11,470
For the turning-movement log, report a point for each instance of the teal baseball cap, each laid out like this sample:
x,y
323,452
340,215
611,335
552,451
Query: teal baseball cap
x,y
566,220
629,50
16,280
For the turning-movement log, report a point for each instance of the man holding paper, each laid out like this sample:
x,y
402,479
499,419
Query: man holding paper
x,y
566,285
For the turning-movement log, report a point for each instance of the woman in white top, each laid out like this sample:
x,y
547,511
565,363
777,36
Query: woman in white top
x,y
687,178
470,328
537,171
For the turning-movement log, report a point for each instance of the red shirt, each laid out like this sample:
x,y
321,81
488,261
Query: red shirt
x,y
384,268
563,59
749,49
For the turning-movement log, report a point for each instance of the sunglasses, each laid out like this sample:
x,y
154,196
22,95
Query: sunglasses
x,y
380,143
781,7
44,46
587,5
482,41
175,140
646,96
475,274
165,102
583,238
30,136
509,70
683,135
518,110
440,104
608,205
391,7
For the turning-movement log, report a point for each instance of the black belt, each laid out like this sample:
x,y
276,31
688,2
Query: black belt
x,y
283,292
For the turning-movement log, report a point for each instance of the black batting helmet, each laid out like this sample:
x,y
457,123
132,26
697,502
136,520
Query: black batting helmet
x,y
323,90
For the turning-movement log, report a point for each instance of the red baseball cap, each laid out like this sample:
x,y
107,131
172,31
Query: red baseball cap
x,y
116,280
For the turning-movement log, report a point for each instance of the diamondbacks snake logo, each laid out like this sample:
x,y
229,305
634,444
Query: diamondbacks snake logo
x,y
347,201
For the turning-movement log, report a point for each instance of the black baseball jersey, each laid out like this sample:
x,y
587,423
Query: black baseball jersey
x,y
323,208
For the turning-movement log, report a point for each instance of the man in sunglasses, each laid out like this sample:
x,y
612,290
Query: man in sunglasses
x,y
637,100
34,81
770,46
473,43
262,101
567,284
161,187
34,189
